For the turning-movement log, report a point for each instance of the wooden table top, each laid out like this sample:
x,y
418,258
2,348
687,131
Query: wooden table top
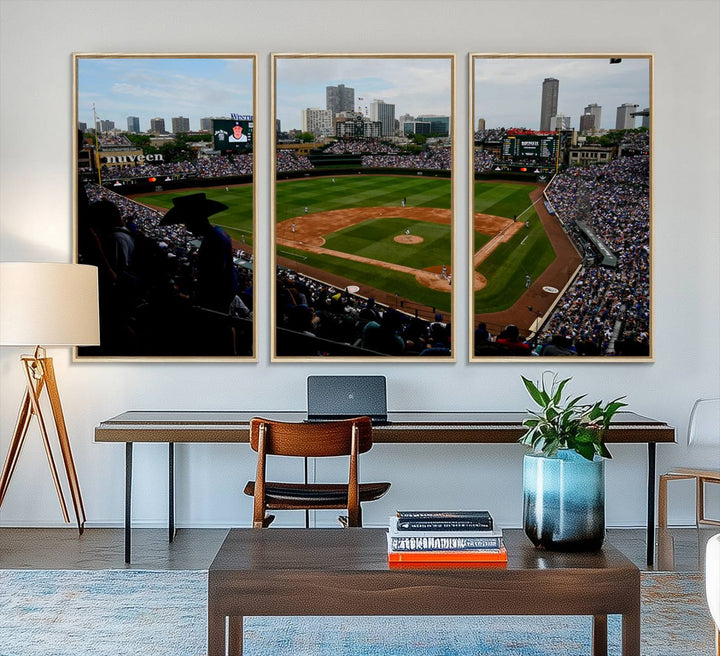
x,y
365,549
403,426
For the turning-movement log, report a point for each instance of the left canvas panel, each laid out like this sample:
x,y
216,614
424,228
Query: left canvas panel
x,y
165,202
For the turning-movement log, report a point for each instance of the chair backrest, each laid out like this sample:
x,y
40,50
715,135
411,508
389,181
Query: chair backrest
x,y
311,439
704,423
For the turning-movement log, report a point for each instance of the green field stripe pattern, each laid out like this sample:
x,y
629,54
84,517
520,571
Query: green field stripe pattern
x,y
375,239
322,194
237,220
393,282
529,252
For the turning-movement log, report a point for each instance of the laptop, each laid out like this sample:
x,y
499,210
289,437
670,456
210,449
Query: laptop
x,y
330,398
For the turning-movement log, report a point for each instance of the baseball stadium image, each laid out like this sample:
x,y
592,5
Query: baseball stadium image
x,y
363,207
165,203
561,192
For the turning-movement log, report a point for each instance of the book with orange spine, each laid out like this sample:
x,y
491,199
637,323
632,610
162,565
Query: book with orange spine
x,y
449,557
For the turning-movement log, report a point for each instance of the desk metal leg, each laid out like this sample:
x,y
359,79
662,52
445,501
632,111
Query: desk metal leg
x,y
651,505
128,497
171,491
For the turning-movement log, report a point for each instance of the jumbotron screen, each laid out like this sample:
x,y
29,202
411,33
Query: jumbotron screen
x,y
529,146
232,134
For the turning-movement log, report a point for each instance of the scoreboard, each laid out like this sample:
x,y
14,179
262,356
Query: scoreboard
x,y
234,135
530,146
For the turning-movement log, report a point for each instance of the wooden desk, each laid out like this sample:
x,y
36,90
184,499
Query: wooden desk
x,y
345,572
404,427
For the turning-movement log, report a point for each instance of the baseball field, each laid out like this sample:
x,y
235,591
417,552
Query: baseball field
x,y
392,235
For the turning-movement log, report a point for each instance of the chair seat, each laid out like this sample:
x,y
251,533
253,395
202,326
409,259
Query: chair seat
x,y
328,495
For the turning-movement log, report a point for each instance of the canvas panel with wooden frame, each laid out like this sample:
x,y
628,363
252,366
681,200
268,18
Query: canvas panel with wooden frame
x,y
363,208
560,237
165,200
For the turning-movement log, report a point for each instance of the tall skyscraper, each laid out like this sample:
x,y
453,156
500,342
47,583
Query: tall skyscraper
x,y
180,124
339,99
133,123
157,125
645,118
206,124
317,121
596,111
549,102
385,113
481,124
625,120
559,122
106,126
587,123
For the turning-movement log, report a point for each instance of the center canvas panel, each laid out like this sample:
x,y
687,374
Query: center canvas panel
x,y
363,208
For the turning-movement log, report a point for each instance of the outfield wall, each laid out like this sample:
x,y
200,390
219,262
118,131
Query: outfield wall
x,y
364,170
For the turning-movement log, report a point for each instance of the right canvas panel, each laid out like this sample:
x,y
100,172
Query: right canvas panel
x,y
561,204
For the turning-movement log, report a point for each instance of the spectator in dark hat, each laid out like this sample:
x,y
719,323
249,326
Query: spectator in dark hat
x,y
216,281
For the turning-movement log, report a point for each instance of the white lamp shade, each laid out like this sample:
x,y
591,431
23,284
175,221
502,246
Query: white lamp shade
x,y
48,304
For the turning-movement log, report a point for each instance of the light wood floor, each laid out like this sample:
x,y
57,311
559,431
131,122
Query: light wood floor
x,y
680,549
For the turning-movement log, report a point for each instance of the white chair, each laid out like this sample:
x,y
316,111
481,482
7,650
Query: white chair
x,y
712,584
703,430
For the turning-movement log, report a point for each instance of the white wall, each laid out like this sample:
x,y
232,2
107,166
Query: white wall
x,y
37,39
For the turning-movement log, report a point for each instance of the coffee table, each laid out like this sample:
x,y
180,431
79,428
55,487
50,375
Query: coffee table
x,y
275,572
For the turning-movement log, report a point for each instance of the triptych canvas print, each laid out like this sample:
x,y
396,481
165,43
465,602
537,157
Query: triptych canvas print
x,y
364,227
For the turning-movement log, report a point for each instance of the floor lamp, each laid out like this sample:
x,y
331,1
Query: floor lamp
x,y
46,304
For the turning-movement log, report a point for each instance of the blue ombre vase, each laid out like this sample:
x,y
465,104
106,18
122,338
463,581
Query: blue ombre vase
x,y
564,501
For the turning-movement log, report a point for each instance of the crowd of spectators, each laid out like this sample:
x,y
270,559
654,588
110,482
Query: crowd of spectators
x,y
147,277
115,140
437,159
359,147
287,161
635,143
212,166
483,161
312,308
607,306
494,135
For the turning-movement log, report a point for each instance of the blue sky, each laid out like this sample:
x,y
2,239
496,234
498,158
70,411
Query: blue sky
x,y
163,87
415,85
508,90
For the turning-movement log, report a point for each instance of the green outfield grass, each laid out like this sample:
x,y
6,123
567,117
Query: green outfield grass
x,y
237,220
322,194
375,239
529,252
402,284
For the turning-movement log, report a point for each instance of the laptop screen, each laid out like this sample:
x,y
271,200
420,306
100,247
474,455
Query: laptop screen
x,y
340,397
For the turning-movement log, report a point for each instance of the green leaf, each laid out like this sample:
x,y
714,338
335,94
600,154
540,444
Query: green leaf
x,y
558,393
534,392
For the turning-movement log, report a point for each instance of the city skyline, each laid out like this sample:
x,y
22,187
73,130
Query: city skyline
x,y
415,85
159,87
508,91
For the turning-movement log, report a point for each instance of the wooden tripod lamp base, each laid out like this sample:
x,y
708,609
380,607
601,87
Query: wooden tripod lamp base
x,y
40,375
54,304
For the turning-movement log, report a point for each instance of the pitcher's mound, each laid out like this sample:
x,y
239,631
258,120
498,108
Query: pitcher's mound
x,y
408,239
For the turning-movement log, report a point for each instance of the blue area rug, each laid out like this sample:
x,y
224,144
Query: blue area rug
x,y
131,612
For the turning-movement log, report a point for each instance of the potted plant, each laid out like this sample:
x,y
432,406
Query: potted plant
x,y
564,468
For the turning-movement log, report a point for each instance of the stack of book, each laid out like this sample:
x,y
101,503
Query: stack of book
x,y
439,537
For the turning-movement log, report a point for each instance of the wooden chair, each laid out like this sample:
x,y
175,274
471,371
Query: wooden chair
x,y
703,429
349,437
